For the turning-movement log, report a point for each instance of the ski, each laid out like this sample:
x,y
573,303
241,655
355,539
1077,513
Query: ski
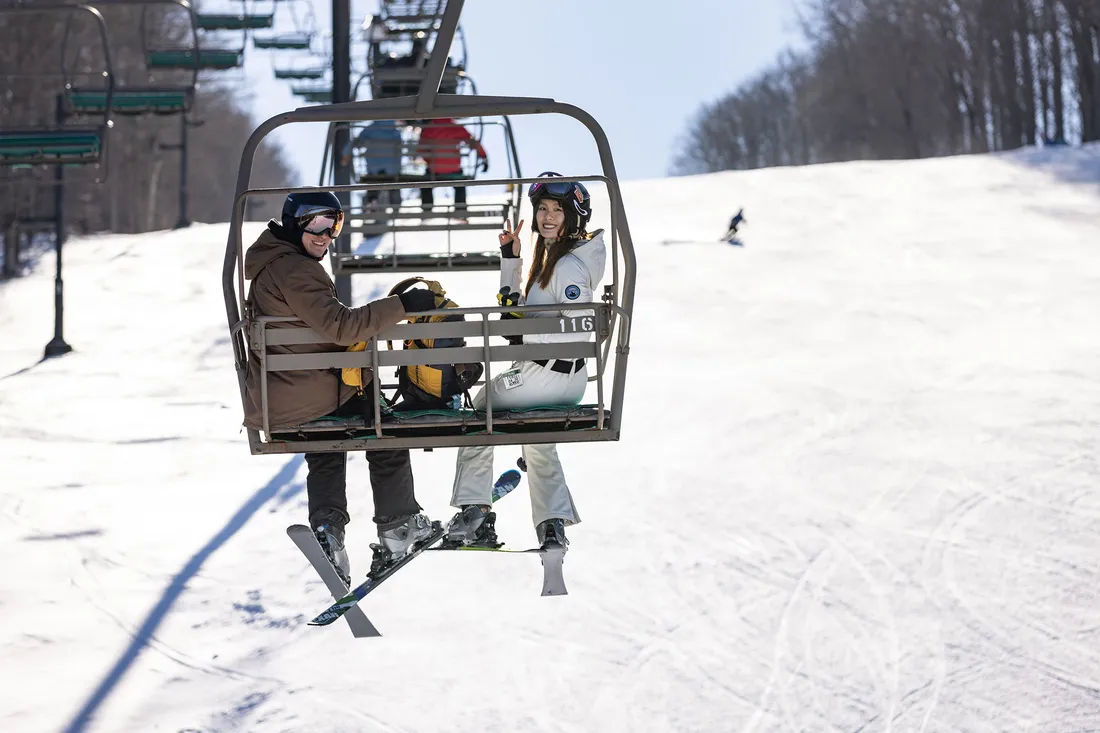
x,y
553,578
507,481
359,592
306,541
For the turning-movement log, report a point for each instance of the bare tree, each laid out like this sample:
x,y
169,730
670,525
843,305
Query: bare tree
x,y
140,193
909,79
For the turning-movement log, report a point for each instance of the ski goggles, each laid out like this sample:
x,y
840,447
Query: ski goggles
x,y
558,189
320,221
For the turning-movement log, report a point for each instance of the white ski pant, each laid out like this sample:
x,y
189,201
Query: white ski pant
x,y
550,497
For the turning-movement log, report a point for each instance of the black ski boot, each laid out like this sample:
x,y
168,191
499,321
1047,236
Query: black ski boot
x,y
328,528
474,526
551,534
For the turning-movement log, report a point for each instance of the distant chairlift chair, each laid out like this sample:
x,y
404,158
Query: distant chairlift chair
x,y
62,144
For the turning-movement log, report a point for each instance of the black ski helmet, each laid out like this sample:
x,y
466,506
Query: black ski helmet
x,y
573,197
305,203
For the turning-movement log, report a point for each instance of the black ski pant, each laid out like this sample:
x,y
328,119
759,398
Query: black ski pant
x,y
391,478
427,198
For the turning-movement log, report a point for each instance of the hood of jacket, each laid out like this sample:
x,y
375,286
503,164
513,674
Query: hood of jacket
x,y
593,254
268,248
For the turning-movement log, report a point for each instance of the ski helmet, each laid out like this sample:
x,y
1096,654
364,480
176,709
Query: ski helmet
x,y
573,197
301,207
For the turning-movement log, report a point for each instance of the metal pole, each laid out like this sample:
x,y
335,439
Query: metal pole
x,y
11,249
184,220
57,346
341,92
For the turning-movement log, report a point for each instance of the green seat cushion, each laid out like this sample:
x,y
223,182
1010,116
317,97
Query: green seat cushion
x,y
50,144
187,59
229,22
130,101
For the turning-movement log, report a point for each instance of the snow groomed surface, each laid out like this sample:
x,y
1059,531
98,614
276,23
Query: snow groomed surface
x,y
857,487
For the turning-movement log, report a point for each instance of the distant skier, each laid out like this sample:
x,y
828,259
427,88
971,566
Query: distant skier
x,y
731,235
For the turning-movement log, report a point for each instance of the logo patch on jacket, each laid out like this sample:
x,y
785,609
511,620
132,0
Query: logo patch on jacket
x,y
572,292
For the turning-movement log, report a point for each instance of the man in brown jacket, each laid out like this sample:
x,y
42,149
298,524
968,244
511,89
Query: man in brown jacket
x,y
284,267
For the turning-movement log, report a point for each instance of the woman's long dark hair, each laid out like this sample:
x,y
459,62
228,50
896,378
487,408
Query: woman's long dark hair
x,y
545,259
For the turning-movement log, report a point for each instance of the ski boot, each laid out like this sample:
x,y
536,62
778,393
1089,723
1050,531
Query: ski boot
x,y
328,528
397,537
551,534
474,526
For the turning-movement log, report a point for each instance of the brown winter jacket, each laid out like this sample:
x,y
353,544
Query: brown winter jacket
x,y
288,282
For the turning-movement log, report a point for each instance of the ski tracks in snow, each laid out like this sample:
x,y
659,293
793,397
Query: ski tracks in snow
x,y
839,661
1045,645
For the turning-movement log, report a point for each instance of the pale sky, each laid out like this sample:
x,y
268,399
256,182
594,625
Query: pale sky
x,y
639,69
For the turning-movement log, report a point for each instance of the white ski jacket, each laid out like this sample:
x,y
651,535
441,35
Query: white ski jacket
x,y
575,279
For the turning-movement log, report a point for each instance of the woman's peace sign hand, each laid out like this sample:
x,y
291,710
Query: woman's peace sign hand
x,y
511,235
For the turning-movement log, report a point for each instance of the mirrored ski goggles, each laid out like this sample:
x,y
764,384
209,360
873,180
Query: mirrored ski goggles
x,y
320,222
558,188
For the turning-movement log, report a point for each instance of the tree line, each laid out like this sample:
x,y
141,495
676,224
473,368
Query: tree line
x,y
891,79
41,52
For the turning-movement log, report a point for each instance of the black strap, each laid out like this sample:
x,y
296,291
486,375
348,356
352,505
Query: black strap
x,y
562,366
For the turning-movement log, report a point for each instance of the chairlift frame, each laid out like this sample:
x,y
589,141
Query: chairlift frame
x,y
60,145
441,429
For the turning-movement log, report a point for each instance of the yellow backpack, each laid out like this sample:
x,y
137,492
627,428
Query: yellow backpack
x,y
426,386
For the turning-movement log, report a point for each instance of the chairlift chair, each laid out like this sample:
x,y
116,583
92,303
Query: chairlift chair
x,y
285,42
261,338
23,146
320,93
300,72
406,14
396,70
142,98
303,21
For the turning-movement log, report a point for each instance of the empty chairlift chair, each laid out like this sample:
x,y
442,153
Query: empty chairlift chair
x,y
210,51
233,15
37,143
302,21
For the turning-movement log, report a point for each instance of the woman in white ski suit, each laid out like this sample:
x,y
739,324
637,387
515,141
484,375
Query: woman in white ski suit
x,y
560,225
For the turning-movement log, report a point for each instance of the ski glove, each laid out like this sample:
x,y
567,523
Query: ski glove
x,y
485,164
507,298
417,299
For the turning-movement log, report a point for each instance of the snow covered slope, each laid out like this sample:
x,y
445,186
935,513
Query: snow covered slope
x,y
857,488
